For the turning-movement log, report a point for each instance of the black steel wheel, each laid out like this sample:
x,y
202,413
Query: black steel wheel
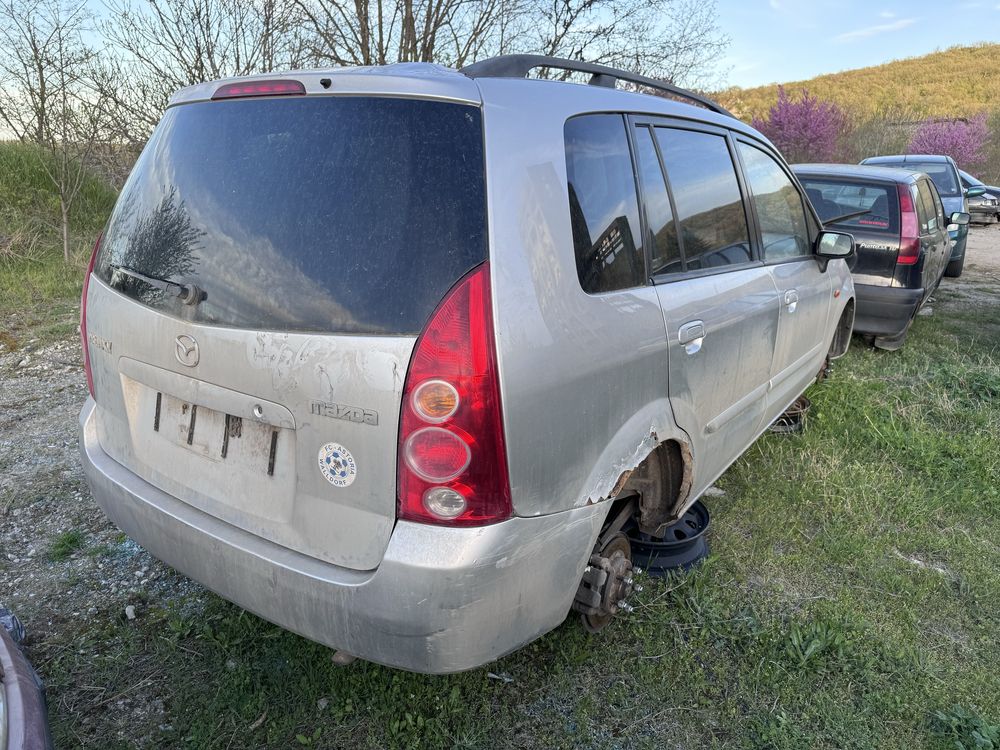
x,y
682,546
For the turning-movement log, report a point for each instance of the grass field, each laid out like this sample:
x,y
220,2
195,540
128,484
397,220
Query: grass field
x,y
39,291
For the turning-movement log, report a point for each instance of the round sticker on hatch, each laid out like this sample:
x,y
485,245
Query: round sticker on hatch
x,y
337,464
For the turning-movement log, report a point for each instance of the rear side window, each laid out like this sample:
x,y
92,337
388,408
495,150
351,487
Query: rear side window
x,y
327,214
665,252
707,196
603,204
926,210
780,213
876,205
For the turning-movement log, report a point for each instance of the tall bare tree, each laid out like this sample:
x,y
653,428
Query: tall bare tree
x,y
46,96
673,39
155,47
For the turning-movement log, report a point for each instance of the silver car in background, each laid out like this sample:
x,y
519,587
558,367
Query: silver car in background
x,y
386,355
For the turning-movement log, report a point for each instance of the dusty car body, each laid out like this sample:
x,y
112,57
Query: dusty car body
x,y
901,232
403,406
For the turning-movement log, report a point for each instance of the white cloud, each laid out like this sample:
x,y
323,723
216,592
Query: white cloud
x,y
868,31
775,5
886,14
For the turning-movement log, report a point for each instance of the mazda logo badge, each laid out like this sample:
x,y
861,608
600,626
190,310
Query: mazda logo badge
x,y
186,350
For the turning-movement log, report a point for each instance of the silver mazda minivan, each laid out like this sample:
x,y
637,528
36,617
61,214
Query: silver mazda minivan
x,y
389,356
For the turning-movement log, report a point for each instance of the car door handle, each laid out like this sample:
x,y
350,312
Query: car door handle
x,y
791,300
692,335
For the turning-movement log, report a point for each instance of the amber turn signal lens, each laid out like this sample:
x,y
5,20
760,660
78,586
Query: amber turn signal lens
x,y
435,400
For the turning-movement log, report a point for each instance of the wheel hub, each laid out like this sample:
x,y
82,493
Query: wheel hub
x,y
607,583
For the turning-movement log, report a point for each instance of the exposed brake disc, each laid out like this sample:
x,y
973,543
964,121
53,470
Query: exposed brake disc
x,y
607,583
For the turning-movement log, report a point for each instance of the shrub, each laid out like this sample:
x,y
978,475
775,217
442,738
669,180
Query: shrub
x,y
804,130
963,140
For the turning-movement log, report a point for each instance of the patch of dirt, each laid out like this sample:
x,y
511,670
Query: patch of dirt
x,y
43,495
980,280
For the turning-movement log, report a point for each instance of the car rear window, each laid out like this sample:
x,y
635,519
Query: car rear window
x,y
833,198
328,214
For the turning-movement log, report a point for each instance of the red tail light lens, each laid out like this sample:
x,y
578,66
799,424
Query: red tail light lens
x,y
259,88
83,316
452,465
909,234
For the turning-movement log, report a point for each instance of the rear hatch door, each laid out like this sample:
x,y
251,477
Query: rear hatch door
x,y
876,230
316,235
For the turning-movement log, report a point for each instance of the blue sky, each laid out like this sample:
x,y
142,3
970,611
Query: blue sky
x,y
790,40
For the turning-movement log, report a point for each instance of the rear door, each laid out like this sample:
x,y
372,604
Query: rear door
x,y
719,304
314,235
934,241
804,289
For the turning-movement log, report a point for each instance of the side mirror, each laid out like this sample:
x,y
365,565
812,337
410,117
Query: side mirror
x,y
975,192
833,245
959,217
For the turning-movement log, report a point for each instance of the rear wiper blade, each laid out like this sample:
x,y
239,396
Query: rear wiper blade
x,y
189,294
851,215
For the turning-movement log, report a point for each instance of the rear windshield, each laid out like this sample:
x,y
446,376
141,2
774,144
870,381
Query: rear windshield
x,y
941,173
833,198
330,214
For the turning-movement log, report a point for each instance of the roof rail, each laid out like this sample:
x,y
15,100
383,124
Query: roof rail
x,y
518,66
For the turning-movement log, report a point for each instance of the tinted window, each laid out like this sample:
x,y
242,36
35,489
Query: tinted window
x,y
938,207
603,206
941,173
707,196
666,254
780,212
926,210
833,197
331,214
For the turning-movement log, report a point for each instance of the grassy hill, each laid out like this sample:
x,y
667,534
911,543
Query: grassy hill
x,y
39,291
959,81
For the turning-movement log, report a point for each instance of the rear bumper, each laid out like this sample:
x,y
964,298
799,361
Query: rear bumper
x,y
442,600
884,310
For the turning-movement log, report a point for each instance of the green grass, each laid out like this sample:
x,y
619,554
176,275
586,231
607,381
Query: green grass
x,y
851,601
66,544
39,291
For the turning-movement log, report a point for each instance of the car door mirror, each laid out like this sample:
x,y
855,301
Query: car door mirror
x,y
974,192
833,245
960,218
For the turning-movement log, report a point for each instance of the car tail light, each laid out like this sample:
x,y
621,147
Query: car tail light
x,y
452,459
909,234
83,316
259,88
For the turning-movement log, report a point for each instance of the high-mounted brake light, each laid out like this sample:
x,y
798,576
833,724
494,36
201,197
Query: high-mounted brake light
x,y
909,234
452,459
259,88
83,316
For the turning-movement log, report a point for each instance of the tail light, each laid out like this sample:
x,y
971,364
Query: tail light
x,y
452,459
83,316
909,234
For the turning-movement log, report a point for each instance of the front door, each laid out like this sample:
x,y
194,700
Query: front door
x,y
718,301
804,289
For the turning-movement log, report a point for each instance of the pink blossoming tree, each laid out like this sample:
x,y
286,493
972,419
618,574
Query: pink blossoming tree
x,y
804,130
964,141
